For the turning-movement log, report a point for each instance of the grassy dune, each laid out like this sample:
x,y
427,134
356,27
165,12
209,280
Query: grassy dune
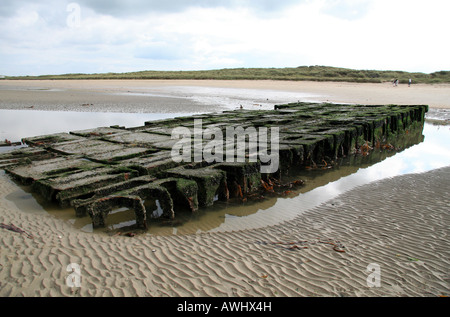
x,y
314,73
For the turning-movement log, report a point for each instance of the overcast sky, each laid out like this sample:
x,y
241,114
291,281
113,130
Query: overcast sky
x,y
56,37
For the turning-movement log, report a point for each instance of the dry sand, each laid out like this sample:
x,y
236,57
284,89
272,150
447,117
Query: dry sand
x,y
399,225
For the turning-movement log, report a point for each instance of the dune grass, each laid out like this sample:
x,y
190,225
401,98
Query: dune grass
x,y
313,73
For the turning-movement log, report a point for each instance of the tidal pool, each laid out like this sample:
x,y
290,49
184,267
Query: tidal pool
x,y
431,152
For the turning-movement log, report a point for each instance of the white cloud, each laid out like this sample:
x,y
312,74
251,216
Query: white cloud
x,y
365,34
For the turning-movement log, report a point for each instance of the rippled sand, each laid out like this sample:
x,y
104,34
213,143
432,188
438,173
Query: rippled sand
x,y
399,225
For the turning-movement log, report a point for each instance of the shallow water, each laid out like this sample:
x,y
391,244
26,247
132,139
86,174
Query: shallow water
x,y
17,124
228,98
433,152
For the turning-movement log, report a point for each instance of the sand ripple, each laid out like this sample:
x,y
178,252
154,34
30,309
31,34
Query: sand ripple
x,y
400,224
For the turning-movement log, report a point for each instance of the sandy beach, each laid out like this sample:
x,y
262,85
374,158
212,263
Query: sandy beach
x,y
173,95
387,238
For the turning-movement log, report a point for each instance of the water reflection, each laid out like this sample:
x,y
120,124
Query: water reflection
x,y
431,153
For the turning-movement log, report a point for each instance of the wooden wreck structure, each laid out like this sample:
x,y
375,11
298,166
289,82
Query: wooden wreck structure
x,y
103,168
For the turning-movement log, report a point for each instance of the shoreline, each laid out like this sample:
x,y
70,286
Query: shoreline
x,y
400,224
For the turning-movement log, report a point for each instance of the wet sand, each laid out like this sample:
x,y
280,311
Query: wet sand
x,y
155,96
398,225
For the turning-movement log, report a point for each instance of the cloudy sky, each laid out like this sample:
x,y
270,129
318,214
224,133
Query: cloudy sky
x,y
55,37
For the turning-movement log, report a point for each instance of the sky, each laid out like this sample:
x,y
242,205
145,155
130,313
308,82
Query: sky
x,y
101,36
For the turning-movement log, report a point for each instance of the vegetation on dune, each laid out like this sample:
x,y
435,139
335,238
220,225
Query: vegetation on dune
x,y
313,73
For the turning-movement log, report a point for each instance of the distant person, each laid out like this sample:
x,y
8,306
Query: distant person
x,y
409,82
